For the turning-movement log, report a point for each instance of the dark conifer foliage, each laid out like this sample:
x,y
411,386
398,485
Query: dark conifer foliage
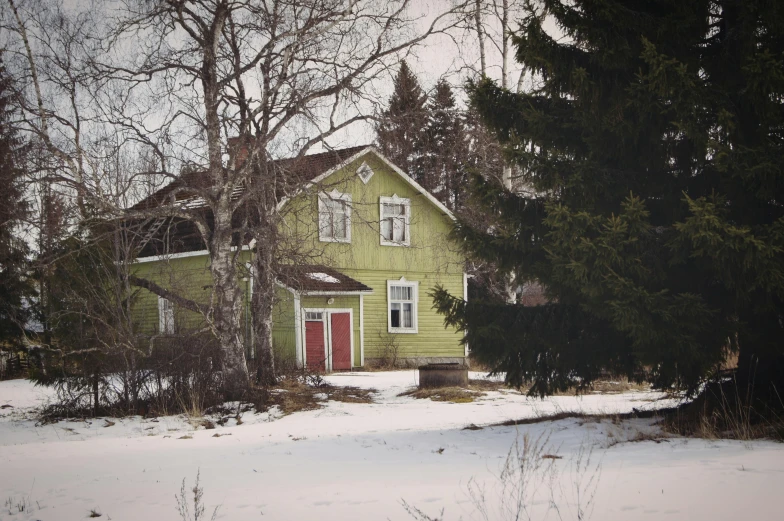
x,y
402,125
446,150
14,285
654,144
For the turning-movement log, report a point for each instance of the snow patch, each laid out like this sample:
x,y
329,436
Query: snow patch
x,y
323,277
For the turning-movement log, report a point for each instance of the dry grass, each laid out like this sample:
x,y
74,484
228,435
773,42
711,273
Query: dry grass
x,y
488,385
293,395
444,394
722,412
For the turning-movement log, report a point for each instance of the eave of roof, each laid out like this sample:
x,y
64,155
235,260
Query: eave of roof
x,y
319,279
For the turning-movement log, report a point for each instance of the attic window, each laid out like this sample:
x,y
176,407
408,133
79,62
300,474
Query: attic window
x,y
395,221
334,217
365,173
323,277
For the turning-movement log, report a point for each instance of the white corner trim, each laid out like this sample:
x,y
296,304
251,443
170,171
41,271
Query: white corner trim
x,y
395,199
361,330
465,299
298,326
415,306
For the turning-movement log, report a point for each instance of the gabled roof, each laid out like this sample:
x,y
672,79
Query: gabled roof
x,y
318,279
310,170
408,179
305,167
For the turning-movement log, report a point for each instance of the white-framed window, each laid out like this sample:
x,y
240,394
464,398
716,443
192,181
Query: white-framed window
x,y
316,316
165,316
402,297
334,217
395,215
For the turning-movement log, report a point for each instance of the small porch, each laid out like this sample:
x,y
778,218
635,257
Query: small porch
x,y
328,317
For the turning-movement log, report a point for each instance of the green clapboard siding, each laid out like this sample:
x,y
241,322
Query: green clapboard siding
x,y
430,259
283,335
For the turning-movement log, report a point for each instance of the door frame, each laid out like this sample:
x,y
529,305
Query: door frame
x,y
325,318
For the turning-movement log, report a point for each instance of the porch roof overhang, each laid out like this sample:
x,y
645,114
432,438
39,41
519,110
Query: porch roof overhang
x,y
316,279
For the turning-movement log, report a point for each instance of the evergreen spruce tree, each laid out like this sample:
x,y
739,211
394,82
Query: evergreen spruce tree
x,y
446,149
14,284
654,144
402,125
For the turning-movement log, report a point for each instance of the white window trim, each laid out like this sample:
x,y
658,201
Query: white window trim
x,y
407,219
165,327
415,306
335,196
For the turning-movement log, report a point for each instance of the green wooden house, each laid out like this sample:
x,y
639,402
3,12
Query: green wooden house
x,y
376,244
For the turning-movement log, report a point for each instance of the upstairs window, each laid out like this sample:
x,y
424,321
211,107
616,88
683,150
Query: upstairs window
x,y
395,221
165,316
335,217
402,298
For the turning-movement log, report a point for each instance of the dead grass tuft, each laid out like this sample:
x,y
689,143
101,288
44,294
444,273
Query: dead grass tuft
x,y
724,411
444,394
488,385
293,395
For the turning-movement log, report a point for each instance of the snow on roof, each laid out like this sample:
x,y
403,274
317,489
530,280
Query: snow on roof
x,y
323,277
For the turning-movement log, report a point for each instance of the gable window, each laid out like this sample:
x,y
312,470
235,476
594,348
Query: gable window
x,y
165,316
402,306
334,217
395,221
365,173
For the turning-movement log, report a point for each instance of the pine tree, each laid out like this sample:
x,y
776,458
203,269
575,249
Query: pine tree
x,y
14,285
654,145
402,124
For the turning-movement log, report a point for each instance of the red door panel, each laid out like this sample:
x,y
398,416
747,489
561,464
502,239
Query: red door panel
x,y
314,345
341,341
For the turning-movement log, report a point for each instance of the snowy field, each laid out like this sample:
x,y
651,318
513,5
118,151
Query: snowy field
x,y
355,461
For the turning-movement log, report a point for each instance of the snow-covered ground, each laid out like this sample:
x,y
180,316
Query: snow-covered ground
x,y
350,461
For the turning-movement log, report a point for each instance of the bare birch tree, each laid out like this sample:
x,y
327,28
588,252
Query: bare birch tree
x,y
172,81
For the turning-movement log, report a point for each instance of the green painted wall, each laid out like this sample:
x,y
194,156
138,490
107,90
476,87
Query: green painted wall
x,y
188,276
430,259
283,334
430,249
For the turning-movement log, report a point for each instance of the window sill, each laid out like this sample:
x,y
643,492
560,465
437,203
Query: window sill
x,y
332,239
394,243
405,331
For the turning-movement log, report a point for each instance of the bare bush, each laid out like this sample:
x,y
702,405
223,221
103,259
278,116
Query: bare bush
x,y
533,474
185,502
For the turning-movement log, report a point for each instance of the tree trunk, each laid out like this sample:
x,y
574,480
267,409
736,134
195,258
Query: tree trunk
x,y
228,307
263,300
263,297
480,34
96,393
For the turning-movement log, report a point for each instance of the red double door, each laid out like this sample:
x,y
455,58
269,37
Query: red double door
x,y
328,342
